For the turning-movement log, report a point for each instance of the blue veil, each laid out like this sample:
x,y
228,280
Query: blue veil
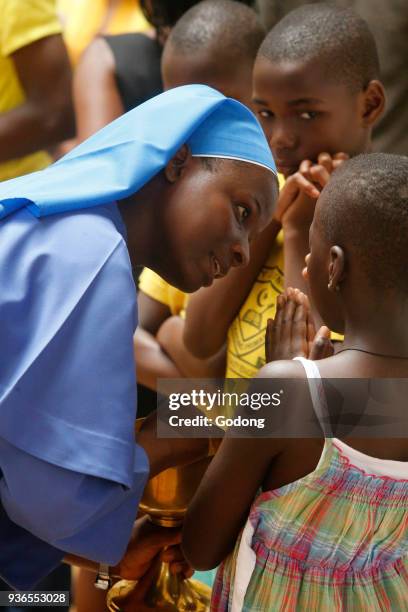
x,y
119,159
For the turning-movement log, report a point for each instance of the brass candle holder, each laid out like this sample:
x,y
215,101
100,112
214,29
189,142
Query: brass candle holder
x,y
165,501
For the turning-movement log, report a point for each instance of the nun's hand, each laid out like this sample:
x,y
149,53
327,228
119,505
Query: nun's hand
x,y
148,544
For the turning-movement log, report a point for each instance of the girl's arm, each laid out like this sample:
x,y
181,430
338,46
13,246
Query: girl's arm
x,y
222,502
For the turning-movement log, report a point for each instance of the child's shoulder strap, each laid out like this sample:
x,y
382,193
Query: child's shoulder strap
x,y
317,394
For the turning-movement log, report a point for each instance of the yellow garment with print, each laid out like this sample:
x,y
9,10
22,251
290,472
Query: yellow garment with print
x,y
22,23
246,335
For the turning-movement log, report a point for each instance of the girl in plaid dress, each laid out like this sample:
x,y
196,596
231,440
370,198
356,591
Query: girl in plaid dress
x,y
328,529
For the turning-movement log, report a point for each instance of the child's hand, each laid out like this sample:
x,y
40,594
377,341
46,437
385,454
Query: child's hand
x,y
298,197
318,175
287,334
292,333
149,546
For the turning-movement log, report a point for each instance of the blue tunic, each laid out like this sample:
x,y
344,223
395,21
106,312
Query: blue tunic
x,y
71,473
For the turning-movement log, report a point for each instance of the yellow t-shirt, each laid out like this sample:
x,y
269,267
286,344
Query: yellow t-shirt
x,y
246,335
158,289
22,23
84,19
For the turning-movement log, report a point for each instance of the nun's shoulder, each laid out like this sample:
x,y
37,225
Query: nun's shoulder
x,y
80,241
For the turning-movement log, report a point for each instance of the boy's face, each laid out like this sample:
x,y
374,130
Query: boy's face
x,y
209,218
303,114
208,68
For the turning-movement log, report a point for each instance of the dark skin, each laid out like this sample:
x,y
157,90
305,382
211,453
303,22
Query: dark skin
x,y
312,126
241,214
311,114
170,338
169,357
370,318
46,117
212,66
161,353
231,207
152,361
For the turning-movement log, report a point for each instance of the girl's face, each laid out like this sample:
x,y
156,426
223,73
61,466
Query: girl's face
x,y
318,273
210,215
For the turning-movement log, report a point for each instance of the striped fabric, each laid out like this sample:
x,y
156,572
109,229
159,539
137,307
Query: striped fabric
x,y
335,540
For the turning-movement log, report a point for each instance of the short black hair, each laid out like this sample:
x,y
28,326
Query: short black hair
x,y
225,26
164,13
338,38
364,207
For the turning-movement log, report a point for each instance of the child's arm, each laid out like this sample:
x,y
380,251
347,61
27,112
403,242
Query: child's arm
x,y
222,502
170,338
211,311
152,362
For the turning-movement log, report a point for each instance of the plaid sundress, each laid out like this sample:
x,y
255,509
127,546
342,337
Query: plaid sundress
x,y
335,540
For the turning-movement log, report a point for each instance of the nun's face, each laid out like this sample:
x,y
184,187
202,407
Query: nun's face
x,y
212,212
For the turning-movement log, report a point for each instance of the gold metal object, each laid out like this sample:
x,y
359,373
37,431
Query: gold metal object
x,y
167,495
165,500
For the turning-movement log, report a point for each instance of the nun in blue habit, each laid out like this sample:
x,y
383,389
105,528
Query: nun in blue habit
x,y
141,191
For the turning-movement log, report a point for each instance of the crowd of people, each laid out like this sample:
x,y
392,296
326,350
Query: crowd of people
x,y
244,166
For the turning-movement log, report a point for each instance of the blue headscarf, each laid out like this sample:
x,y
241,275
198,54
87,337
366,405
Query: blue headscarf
x,y
123,156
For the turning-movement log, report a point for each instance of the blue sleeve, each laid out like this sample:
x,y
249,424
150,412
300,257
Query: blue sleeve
x,y
70,512
24,559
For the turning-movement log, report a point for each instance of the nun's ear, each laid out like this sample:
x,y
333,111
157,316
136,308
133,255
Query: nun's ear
x,y
174,169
